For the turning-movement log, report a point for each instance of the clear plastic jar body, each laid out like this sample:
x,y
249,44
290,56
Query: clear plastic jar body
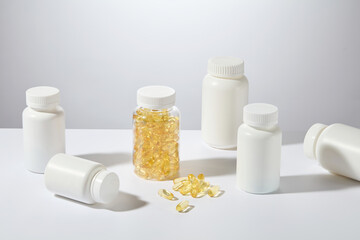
x,y
156,143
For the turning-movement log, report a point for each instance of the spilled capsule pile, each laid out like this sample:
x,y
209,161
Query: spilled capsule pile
x,y
196,187
190,185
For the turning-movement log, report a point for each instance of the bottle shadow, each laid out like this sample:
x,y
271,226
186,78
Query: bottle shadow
x,y
314,183
122,203
108,159
208,166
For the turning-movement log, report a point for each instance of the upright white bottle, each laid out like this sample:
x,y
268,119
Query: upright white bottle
x,y
259,149
336,147
80,179
224,94
43,127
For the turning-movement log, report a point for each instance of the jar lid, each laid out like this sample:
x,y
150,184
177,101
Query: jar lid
x,y
260,115
156,97
105,187
311,138
226,67
42,97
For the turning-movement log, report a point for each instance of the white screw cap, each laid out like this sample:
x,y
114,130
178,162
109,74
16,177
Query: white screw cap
x,y
156,97
311,138
260,115
42,97
105,187
226,67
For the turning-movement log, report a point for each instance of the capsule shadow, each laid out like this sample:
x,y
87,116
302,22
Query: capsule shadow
x,y
188,209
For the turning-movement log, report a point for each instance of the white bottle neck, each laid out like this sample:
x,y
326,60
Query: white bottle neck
x,y
51,108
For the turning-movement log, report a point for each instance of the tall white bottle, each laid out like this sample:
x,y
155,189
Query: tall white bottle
x,y
336,147
259,149
43,127
224,94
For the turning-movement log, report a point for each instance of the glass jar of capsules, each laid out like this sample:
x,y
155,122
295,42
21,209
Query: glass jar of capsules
x,y
156,124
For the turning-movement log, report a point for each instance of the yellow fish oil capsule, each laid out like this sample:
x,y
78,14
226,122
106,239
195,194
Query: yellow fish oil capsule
x,y
177,186
166,194
204,186
201,177
182,206
191,177
213,191
180,179
186,188
195,188
194,192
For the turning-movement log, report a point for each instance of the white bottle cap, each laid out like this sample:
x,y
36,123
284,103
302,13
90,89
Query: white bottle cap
x,y
105,186
311,138
260,115
156,97
42,97
226,67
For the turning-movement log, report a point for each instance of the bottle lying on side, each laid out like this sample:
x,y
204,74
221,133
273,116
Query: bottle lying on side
x,y
336,147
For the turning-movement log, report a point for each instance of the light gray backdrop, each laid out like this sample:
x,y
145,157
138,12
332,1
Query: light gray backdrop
x,y
302,56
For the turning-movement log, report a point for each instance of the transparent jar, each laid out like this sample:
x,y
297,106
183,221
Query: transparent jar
x,y
156,125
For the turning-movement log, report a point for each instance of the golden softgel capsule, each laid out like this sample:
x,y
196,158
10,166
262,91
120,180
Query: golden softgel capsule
x,y
182,206
156,134
166,194
180,179
213,191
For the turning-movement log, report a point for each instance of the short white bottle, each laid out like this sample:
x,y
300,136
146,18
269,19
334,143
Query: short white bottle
x,y
43,127
259,149
80,179
336,147
224,94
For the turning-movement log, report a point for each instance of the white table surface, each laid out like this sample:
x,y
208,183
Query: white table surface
x,y
311,203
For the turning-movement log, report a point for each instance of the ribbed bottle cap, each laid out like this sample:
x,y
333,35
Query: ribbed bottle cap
x,y
156,97
260,115
311,138
42,97
226,67
105,187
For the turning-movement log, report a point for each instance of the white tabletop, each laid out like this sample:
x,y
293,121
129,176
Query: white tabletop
x,y
311,203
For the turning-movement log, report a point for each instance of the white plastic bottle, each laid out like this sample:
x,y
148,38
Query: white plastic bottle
x,y
43,127
80,179
259,149
337,147
224,94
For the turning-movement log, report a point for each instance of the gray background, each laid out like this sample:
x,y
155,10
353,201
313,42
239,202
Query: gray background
x,y
302,56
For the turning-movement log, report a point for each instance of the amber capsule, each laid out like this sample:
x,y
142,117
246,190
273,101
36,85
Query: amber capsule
x,y
166,194
204,186
182,206
191,177
213,191
186,188
194,192
177,186
180,179
201,177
